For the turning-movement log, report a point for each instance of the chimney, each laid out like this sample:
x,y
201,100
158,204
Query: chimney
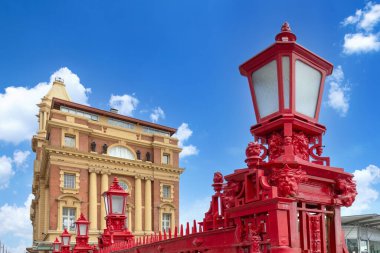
x,y
114,110
59,80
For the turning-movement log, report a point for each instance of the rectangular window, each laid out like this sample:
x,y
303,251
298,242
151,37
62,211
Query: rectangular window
x,y
165,158
122,124
80,113
70,141
166,218
69,181
68,218
166,191
155,131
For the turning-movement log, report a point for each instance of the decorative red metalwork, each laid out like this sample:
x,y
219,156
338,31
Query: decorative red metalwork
x,y
82,245
287,180
287,200
65,239
56,246
116,230
346,191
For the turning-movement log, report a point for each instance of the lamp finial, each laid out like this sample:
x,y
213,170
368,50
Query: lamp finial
x,y
286,34
285,27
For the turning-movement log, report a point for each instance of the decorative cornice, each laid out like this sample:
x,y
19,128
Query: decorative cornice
x,y
93,132
109,160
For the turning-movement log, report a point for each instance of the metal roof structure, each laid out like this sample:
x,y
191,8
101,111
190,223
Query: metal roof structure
x,y
364,220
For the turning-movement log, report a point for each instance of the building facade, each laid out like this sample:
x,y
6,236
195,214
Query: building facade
x,y
80,149
362,233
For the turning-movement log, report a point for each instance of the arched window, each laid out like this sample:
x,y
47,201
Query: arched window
x,y
122,152
124,185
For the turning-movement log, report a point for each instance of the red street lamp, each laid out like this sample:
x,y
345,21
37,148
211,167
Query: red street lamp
x,y
65,239
82,235
286,78
82,226
115,201
56,246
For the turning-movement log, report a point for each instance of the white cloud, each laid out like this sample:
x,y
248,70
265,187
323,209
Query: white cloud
x,y
365,39
19,157
195,210
157,114
370,17
351,20
366,180
188,151
20,248
21,121
18,106
360,43
183,134
6,171
126,104
338,97
14,220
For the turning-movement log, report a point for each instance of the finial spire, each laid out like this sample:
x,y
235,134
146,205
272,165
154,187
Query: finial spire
x,y
286,34
285,27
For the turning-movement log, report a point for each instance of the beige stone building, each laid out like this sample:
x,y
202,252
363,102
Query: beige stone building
x,y
79,149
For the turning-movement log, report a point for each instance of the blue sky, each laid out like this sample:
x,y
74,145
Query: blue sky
x,y
176,62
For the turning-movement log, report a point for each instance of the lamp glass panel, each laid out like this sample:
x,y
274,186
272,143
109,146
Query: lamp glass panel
x,y
56,247
106,203
65,240
265,85
285,80
117,204
82,229
308,81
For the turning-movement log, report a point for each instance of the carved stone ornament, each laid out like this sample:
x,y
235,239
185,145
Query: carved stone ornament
x,y
104,148
287,180
93,146
346,191
275,146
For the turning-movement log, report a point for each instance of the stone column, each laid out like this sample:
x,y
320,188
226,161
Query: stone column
x,y
104,187
47,209
138,214
148,205
93,202
41,120
44,120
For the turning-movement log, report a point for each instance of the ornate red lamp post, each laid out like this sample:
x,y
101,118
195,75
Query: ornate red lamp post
x,y
115,201
56,246
285,164
82,245
286,82
65,239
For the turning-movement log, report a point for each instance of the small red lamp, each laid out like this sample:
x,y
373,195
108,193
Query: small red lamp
x,y
56,246
115,199
82,226
82,245
65,239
